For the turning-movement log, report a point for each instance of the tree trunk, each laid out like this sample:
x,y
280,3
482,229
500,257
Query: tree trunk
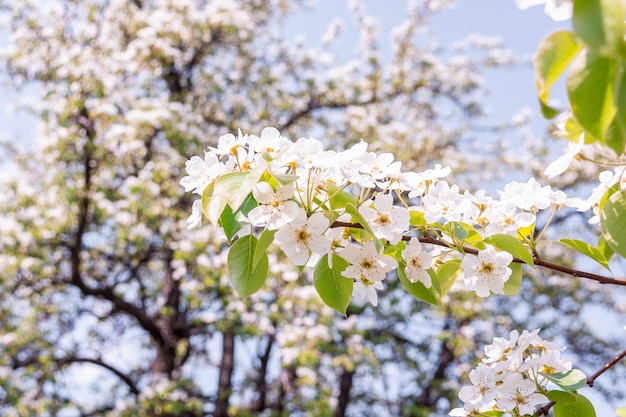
x,y
226,371
345,385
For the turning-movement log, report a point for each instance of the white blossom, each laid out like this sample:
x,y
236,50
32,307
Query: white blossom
x,y
487,272
275,208
417,263
302,234
386,220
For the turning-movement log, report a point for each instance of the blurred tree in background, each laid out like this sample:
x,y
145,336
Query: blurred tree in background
x,y
110,306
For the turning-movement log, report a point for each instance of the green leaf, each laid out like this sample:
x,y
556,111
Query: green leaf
x,y
581,407
235,187
613,222
616,135
339,198
588,250
417,218
556,51
605,249
569,381
621,412
229,223
446,275
561,396
265,240
590,86
284,179
514,283
212,205
245,277
248,204
600,24
334,289
511,245
418,289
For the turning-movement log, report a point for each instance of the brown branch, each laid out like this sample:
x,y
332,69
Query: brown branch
x,y
225,377
536,259
543,411
345,386
606,367
261,380
99,362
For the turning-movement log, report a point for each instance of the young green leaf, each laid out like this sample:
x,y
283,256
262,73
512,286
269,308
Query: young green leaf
x,y
616,134
511,245
417,289
590,85
235,187
265,240
556,51
446,275
612,217
581,407
246,277
514,283
570,381
339,198
561,396
417,218
229,223
334,289
605,249
588,250
600,24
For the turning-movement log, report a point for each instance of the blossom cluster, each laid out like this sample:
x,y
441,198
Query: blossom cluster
x,y
511,377
314,200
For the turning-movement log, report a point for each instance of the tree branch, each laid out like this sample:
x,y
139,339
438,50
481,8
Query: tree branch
x,y
543,411
536,259
225,377
122,376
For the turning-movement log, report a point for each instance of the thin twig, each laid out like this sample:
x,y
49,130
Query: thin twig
x,y
536,259
543,411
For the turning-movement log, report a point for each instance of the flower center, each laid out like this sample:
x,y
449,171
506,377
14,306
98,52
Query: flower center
x,y
486,268
303,235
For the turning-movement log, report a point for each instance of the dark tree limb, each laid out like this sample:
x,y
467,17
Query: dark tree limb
x,y
345,386
536,258
99,362
261,380
224,388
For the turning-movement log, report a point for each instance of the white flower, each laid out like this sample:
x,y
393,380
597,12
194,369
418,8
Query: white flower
x,y
503,217
418,183
274,210
270,141
367,267
196,215
203,172
367,289
528,195
228,144
303,234
557,9
387,222
417,263
487,272
483,390
444,201
569,154
378,166
520,393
